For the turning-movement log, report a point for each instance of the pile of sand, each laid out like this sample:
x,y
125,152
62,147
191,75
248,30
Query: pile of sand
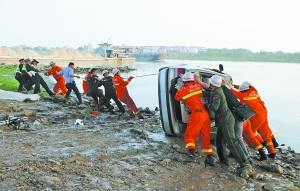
x,y
70,53
87,55
52,53
47,52
62,53
0,51
97,56
20,51
8,51
77,54
31,53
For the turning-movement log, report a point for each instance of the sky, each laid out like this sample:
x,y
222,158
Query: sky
x,y
269,25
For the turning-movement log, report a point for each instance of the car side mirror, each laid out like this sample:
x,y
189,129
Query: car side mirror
x,y
221,68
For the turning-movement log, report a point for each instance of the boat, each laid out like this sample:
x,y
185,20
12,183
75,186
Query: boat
x,y
139,56
113,54
173,116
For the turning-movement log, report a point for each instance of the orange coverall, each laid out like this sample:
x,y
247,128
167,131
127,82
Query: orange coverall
x,y
85,86
123,95
199,123
60,86
263,103
259,121
250,137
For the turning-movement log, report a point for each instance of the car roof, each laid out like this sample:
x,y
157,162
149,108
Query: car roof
x,y
206,71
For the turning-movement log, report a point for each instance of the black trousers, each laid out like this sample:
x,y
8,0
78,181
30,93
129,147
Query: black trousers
x,y
37,80
45,86
19,78
70,87
226,135
112,95
99,94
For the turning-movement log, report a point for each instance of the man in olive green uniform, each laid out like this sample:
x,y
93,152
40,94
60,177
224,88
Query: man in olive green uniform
x,y
225,123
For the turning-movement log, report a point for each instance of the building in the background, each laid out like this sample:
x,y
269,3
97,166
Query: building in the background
x,y
87,47
193,49
183,49
65,47
203,49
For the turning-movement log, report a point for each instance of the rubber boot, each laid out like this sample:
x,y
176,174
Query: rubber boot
x,y
272,155
190,157
246,169
225,162
262,155
209,160
275,143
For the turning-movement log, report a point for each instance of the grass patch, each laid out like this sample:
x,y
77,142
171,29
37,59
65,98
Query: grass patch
x,y
7,79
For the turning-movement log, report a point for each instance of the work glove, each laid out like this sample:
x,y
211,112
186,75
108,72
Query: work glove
x,y
130,78
236,86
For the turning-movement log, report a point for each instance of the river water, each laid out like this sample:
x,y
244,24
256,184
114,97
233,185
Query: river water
x,y
276,83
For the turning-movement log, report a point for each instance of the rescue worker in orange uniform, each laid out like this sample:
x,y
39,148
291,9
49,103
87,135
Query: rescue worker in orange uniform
x,y
60,86
275,143
259,121
199,122
249,137
84,82
122,93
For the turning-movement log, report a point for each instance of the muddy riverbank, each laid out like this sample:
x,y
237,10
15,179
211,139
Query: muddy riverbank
x,y
117,152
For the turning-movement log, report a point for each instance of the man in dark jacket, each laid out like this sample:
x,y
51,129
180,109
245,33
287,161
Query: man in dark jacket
x,y
93,83
225,123
110,91
36,79
19,76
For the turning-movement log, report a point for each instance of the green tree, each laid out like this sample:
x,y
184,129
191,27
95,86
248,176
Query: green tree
x,y
80,48
44,48
38,49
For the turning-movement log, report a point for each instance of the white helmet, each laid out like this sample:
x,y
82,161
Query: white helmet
x,y
51,62
115,71
188,76
244,87
90,70
215,80
247,83
104,71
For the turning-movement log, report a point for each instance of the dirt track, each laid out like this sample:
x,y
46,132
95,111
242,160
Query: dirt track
x,y
116,152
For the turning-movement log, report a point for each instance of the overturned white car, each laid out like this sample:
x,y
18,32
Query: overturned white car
x,y
174,118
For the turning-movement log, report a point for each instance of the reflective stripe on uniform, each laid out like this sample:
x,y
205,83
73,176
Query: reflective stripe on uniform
x,y
192,94
190,145
259,147
272,134
255,134
84,80
116,84
206,150
127,81
250,98
270,143
137,112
